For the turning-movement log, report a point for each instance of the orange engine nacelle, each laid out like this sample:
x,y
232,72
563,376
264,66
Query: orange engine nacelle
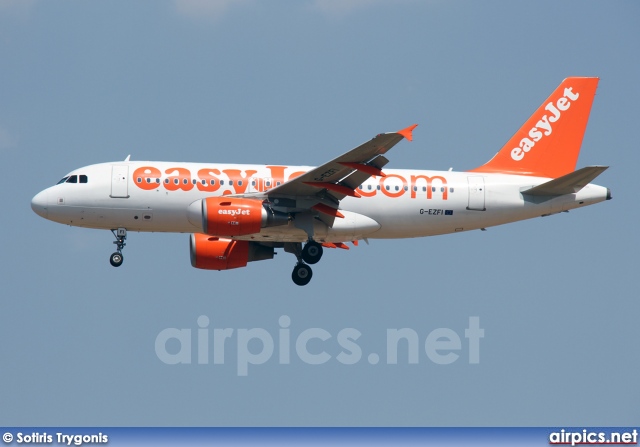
x,y
231,217
214,253
226,216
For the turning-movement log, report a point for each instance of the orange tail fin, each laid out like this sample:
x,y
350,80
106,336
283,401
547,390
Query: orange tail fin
x,y
548,144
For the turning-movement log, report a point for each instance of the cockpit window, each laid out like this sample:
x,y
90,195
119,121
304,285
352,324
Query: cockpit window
x,y
74,179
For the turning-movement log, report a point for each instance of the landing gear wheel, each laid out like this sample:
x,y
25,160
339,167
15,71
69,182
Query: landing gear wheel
x,y
312,252
116,259
301,274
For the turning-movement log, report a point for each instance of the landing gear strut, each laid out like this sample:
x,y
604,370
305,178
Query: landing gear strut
x,y
121,235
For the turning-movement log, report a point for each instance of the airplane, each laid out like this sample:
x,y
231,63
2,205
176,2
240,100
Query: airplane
x,y
238,214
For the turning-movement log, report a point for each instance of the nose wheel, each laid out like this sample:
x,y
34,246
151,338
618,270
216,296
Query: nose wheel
x,y
121,235
116,259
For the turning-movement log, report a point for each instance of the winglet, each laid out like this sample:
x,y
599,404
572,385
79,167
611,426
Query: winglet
x,y
407,132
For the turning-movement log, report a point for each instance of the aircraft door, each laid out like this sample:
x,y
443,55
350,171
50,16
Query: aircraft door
x,y
476,193
119,181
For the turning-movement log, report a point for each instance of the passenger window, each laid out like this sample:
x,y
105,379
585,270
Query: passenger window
x,y
222,182
213,182
157,180
195,181
239,182
424,189
148,180
406,188
185,181
397,188
415,188
230,182
442,189
166,180
278,184
139,179
433,189
176,181
73,179
83,179
64,179
253,183
450,189
369,187
268,183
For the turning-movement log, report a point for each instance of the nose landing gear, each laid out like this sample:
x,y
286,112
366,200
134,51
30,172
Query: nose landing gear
x,y
121,235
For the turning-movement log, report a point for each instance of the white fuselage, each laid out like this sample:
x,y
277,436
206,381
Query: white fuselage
x,y
155,196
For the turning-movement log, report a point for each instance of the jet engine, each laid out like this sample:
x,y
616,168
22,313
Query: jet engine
x,y
225,216
214,253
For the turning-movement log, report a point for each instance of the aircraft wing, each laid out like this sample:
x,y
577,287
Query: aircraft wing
x,y
341,176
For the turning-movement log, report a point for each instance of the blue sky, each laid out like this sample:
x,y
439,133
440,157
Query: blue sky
x,y
299,83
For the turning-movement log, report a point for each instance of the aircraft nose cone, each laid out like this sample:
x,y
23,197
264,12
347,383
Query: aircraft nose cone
x,y
40,205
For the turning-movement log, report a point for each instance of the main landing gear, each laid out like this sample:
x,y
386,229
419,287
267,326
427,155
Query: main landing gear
x,y
116,257
311,253
302,274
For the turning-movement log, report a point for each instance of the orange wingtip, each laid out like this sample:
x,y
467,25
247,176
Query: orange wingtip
x,y
407,132
355,242
341,245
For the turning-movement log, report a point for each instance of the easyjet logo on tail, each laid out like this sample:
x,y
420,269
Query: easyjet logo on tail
x,y
544,127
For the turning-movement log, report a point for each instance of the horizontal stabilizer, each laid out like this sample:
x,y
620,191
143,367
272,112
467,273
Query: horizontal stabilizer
x,y
567,184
